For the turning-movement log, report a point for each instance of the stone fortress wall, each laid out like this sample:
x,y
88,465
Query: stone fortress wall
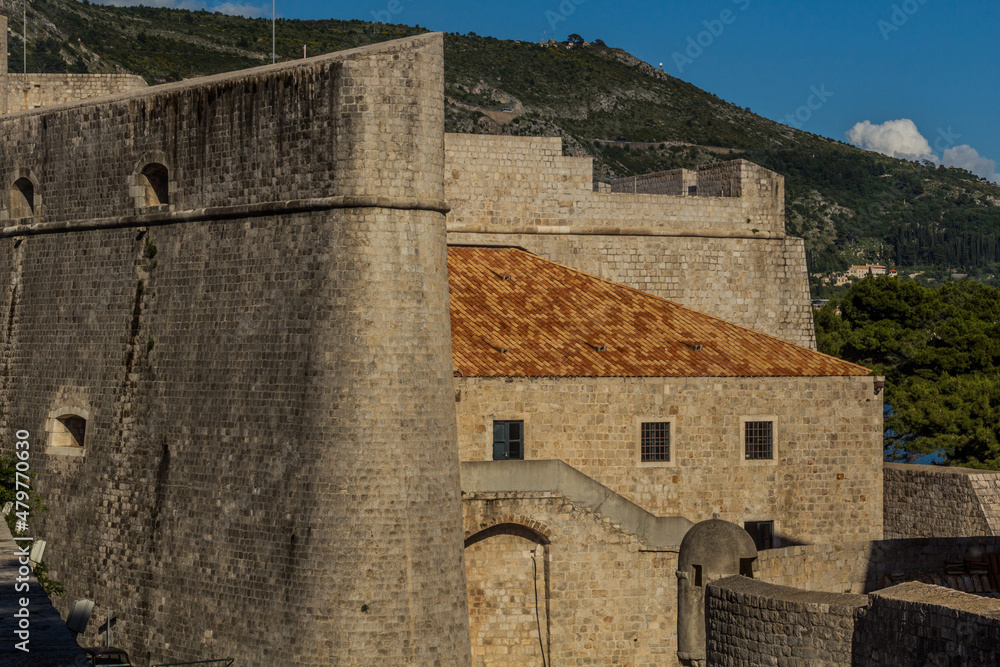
x,y
268,468
19,92
749,622
723,252
940,501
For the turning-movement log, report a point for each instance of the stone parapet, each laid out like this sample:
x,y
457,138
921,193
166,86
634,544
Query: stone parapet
x,y
940,501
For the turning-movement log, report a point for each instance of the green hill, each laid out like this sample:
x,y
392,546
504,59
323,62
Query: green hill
x,y
851,206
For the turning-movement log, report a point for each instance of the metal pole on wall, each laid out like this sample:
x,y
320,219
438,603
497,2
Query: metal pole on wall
x,y
272,32
24,43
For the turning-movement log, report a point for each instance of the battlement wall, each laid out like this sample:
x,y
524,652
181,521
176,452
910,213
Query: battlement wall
x,y
252,359
489,179
46,90
725,254
940,501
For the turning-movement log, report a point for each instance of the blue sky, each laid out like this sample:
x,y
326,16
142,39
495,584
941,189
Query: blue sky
x,y
825,67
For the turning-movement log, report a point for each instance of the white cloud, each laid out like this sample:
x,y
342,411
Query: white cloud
x,y
901,139
968,158
896,138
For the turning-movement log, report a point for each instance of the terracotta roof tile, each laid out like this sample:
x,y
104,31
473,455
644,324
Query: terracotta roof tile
x,y
514,314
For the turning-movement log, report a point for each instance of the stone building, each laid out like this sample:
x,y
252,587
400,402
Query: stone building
x,y
569,387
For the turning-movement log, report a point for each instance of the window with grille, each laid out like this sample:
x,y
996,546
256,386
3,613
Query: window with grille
x,y
508,440
758,440
655,443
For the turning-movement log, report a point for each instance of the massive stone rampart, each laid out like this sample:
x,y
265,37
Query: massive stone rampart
x,y
940,501
261,353
750,622
723,252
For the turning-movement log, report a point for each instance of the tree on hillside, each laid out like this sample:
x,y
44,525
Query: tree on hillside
x,y
939,349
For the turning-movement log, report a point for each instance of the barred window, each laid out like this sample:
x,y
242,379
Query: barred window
x,y
655,442
758,440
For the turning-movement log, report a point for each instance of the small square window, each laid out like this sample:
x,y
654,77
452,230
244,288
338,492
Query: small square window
x,y
655,442
758,440
762,533
508,440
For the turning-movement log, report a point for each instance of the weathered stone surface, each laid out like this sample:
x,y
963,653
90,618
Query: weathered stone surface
x,y
940,501
602,598
825,479
749,622
269,469
753,623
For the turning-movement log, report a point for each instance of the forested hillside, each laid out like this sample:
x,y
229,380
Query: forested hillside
x,y
850,205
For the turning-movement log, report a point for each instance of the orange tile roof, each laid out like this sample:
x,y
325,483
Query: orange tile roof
x,y
514,314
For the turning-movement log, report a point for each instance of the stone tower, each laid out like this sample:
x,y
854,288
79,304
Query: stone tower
x,y
244,426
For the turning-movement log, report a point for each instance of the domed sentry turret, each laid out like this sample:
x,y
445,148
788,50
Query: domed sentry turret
x,y
711,550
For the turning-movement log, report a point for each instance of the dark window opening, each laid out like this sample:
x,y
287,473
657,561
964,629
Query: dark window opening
x,y
758,438
696,575
155,183
655,443
508,440
746,567
68,431
762,533
22,199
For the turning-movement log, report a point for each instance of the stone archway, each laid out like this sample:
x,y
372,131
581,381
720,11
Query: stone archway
x,y
506,567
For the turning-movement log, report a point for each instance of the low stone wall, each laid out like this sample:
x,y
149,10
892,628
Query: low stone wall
x,y
750,622
917,624
864,566
939,501
45,90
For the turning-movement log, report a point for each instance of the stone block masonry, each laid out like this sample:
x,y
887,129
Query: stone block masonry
x,y
940,501
269,469
749,622
45,90
754,623
723,252
825,477
3,64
